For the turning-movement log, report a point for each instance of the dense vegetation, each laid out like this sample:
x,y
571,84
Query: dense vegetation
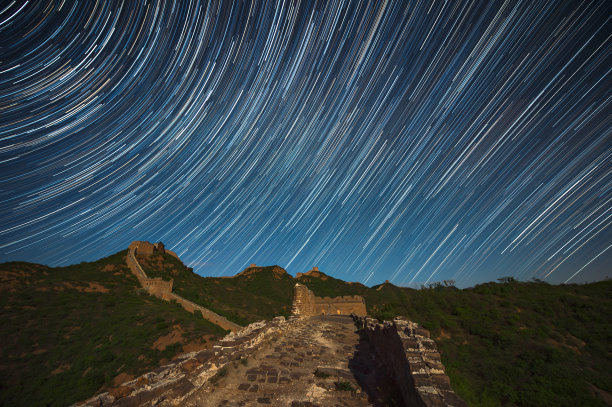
x,y
68,332
520,343
509,343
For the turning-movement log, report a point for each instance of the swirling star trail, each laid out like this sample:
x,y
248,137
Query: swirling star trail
x,y
410,141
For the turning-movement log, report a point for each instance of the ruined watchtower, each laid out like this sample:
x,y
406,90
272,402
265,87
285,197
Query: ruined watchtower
x,y
306,304
146,249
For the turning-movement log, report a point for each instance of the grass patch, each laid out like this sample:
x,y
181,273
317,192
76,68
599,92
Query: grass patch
x,y
220,374
270,289
67,332
320,374
518,343
344,386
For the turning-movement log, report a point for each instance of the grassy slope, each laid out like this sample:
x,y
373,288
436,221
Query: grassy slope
x,y
61,344
508,343
523,344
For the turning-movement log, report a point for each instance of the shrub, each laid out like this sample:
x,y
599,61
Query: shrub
x,y
344,386
220,373
321,374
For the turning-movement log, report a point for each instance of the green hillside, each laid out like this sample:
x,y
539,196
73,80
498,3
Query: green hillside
x,y
520,344
254,294
509,343
68,332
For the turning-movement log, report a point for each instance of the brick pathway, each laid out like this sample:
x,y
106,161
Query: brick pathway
x,y
282,371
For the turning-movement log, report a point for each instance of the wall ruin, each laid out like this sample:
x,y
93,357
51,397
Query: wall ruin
x,y
147,249
158,287
163,289
306,304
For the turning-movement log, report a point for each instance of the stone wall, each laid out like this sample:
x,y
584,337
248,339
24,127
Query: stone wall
x,y
412,360
206,313
158,287
303,301
142,248
163,289
305,304
135,267
346,305
147,249
154,286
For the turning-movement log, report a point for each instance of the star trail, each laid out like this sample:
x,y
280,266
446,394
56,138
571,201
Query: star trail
x,y
411,141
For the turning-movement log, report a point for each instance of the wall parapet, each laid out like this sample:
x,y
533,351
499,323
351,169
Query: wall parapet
x,y
206,313
412,359
344,298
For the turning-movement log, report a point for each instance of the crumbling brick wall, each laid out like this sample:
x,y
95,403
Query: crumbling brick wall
x,y
303,301
158,287
346,305
147,249
305,304
412,360
142,248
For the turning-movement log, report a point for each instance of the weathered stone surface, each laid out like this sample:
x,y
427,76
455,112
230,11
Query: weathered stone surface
x,y
316,361
412,359
120,392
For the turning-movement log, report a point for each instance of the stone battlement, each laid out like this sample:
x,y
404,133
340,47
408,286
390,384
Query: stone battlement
x,y
158,287
306,304
344,298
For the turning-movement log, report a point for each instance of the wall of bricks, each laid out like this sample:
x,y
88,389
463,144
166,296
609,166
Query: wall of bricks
x,y
305,304
412,359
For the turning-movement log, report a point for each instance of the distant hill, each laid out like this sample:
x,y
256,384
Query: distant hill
x,y
71,331
68,332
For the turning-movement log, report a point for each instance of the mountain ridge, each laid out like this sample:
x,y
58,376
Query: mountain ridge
x,y
481,331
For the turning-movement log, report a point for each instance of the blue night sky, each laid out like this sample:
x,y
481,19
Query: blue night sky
x,y
409,141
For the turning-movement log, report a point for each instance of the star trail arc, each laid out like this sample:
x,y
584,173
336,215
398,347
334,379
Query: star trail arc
x,y
410,141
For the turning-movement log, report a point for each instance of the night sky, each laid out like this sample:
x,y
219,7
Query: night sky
x,y
411,141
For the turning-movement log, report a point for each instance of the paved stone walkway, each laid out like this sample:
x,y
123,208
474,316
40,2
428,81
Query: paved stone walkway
x,y
316,363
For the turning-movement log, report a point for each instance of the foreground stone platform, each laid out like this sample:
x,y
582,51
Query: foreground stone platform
x,y
317,361
281,372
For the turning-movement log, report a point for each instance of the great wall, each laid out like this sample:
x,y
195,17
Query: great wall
x,y
319,357
306,304
163,289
